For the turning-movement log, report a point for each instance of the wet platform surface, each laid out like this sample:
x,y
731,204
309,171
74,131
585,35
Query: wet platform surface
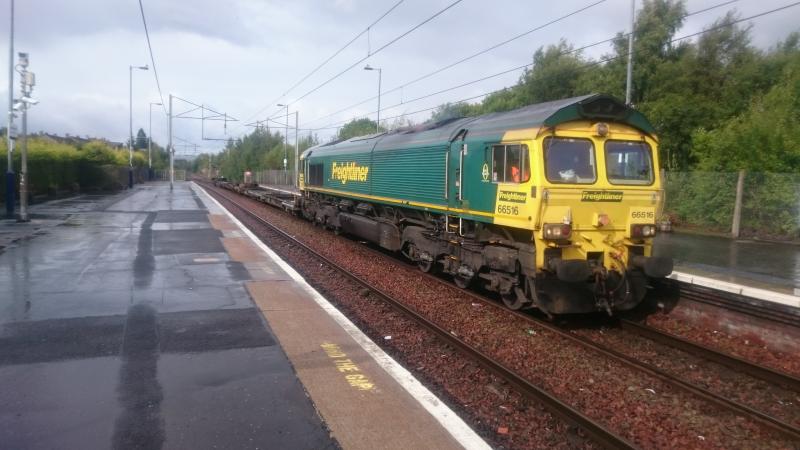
x,y
126,323
765,265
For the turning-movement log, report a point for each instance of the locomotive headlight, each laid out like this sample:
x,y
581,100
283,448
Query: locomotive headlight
x,y
643,230
602,129
557,231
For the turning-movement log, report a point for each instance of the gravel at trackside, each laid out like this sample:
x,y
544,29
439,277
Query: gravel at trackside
x,y
778,402
750,348
636,406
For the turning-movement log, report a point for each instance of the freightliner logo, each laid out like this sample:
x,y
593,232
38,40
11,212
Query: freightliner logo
x,y
511,196
351,171
601,196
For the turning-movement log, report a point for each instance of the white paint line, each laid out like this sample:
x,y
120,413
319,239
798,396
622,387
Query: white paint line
x,y
725,286
457,428
206,260
273,188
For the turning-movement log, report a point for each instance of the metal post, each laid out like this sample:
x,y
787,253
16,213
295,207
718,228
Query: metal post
x,y
285,149
296,149
630,55
10,188
169,147
130,127
378,124
23,170
737,207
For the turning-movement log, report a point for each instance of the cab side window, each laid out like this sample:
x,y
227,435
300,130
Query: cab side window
x,y
510,164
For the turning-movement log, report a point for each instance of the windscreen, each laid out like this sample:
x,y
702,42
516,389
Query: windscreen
x,y
629,162
569,161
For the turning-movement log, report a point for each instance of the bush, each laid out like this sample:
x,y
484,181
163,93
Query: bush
x,y
55,166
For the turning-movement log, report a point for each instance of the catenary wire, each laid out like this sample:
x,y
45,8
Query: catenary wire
x,y
586,66
498,45
323,63
152,58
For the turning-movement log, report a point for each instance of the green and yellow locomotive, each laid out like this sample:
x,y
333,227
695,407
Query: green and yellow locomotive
x,y
553,205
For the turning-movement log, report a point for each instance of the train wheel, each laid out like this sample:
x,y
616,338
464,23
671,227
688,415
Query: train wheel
x,y
516,300
462,282
426,266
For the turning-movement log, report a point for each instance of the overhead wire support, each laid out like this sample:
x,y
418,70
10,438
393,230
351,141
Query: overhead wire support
x,y
152,58
216,116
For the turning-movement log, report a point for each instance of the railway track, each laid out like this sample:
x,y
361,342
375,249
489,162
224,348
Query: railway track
x,y
733,362
593,429
782,314
556,405
755,370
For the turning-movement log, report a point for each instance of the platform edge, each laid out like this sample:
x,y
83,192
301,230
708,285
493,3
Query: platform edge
x,y
447,418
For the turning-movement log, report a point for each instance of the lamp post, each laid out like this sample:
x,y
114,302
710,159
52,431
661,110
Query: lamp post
x,y
378,124
285,144
150,142
130,121
629,70
10,130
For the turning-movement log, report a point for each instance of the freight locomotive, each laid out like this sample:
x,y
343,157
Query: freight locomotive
x,y
552,206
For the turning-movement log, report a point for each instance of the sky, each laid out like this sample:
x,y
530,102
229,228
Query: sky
x,y
239,57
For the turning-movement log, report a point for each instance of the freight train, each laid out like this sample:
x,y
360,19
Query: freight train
x,y
553,206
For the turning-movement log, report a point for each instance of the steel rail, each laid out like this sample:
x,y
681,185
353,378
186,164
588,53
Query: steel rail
x,y
718,400
761,309
734,362
595,430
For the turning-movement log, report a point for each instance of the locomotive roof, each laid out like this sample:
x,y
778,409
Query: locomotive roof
x,y
549,114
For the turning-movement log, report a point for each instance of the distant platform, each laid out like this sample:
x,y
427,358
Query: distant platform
x,y
763,270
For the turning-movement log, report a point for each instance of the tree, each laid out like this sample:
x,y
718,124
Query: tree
x,y
357,127
454,110
141,140
554,74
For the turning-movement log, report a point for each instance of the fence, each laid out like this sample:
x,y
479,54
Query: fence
x,y
769,203
274,177
163,175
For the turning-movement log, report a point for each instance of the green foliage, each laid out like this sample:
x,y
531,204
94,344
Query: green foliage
x,y
358,127
701,199
259,150
766,137
686,89
55,166
141,140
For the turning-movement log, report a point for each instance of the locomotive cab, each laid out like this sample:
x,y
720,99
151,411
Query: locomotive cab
x,y
600,197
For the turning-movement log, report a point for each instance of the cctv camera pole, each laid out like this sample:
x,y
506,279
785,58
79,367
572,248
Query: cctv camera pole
x,y
130,127
9,133
23,170
26,87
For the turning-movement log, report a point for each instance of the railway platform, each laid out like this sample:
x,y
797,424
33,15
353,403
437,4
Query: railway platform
x,y
154,319
766,271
